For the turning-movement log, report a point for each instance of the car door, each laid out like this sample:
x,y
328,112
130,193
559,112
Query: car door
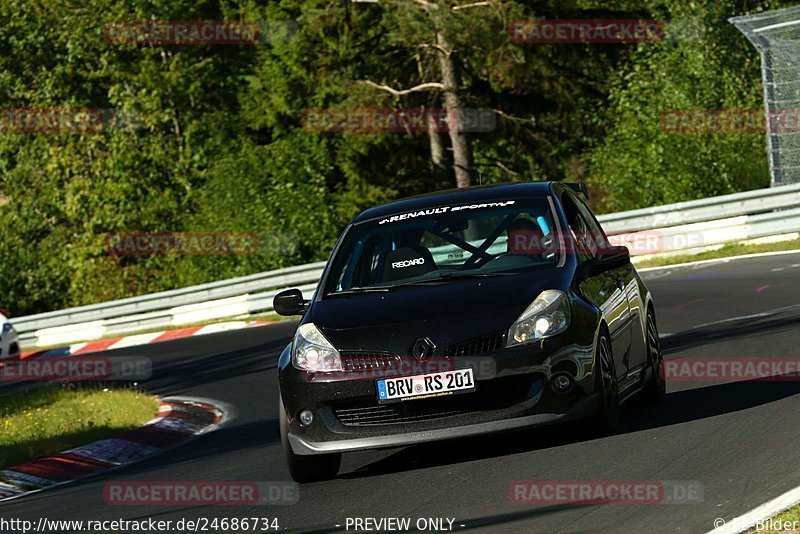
x,y
628,283
607,289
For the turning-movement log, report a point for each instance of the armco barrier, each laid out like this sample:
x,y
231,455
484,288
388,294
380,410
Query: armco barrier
x,y
703,210
681,226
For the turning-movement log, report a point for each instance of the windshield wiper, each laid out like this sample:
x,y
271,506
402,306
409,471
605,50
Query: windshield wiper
x,y
453,276
354,290
439,279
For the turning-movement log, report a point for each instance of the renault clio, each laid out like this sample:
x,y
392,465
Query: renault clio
x,y
462,313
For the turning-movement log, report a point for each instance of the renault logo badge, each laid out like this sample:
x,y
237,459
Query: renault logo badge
x,y
423,348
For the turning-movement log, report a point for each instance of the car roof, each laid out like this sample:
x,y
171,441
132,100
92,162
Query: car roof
x,y
465,195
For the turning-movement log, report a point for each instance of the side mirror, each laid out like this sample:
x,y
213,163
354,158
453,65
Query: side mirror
x,y
610,258
289,302
615,257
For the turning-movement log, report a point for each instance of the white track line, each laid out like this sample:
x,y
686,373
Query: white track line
x,y
765,511
783,502
719,260
133,341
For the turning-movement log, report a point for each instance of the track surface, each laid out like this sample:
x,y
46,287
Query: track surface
x,y
738,439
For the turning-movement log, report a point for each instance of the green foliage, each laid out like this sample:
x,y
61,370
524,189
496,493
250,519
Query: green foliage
x,y
215,141
703,64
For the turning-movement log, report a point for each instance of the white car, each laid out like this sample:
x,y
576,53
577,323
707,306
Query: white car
x,y
9,341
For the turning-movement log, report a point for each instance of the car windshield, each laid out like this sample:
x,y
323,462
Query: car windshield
x,y
440,244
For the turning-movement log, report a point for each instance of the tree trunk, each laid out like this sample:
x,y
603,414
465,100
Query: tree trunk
x,y
438,158
462,147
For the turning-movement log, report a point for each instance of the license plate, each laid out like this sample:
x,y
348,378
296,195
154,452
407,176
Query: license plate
x,y
425,386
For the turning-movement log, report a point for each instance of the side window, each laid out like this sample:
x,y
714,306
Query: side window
x,y
586,246
597,233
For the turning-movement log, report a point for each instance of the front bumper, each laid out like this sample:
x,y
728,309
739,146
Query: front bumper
x,y
513,390
303,446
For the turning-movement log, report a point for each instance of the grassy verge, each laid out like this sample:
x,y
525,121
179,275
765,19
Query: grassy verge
x,y
792,516
274,317
733,249
51,419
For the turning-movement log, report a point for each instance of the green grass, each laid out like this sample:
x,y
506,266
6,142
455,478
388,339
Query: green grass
x,y
733,249
792,514
54,418
269,317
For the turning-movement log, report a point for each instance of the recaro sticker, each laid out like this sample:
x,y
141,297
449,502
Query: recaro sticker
x,y
408,263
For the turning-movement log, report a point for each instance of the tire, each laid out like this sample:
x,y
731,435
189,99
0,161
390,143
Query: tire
x,y
655,391
312,468
607,418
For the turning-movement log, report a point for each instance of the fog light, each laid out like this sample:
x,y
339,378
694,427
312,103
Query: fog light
x,y
306,417
561,383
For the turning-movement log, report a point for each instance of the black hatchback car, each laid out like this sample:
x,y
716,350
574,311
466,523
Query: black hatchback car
x,y
462,313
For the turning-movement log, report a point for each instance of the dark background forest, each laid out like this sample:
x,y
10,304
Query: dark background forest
x,y
216,142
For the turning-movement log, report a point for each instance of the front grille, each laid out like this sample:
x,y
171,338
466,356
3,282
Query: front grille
x,y
497,394
357,362
384,414
480,345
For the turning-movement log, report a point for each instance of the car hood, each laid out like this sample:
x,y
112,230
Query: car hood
x,y
447,313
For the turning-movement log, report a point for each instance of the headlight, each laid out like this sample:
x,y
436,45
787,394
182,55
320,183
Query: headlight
x,y
312,352
546,316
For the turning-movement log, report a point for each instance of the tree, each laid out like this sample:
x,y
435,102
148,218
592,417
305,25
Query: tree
x,y
703,63
218,142
432,33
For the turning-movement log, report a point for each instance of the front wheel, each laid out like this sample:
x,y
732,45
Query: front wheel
x,y
606,384
302,468
656,389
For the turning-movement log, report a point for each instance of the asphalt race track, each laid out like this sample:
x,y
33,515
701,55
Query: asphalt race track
x,y
739,439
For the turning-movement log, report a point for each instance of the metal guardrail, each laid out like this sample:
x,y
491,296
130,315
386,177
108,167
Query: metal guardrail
x,y
177,297
676,227
699,224
165,309
702,210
